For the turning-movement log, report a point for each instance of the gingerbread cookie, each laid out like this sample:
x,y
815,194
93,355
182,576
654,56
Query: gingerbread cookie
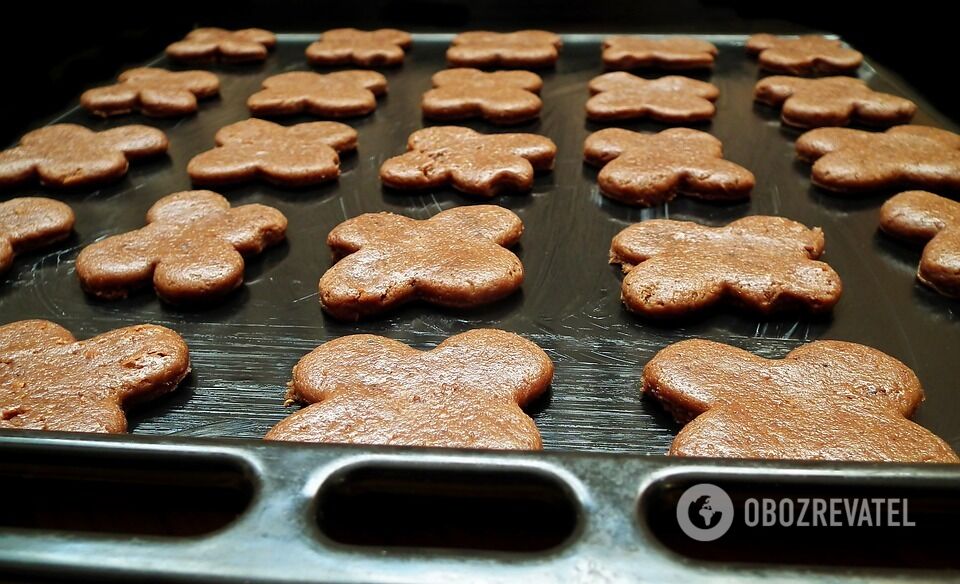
x,y
191,249
68,155
336,95
521,49
804,55
926,218
501,97
234,46
827,400
766,264
153,92
51,381
649,169
479,164
846,160
290,156
349,46
623,52
457,258
30,222
465,393
832,101
672,99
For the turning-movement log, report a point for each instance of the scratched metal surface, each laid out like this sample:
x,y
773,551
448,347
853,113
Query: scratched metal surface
x,y
243,350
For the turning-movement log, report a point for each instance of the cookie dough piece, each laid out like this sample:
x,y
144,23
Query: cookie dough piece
x,y
501,97
457,258
349,46
248,45
337,95
28,223
289,156
926,218
804,55
191,249
766,264
650,169
624,52
478,164
51,381
525,49
832,101
152,92
68,155
848,161
465,393
826,400
672,99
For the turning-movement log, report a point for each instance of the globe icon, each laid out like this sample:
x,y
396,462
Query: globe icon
x,y
702,513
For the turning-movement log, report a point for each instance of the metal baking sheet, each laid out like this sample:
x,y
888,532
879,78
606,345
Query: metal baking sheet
x,y
243,350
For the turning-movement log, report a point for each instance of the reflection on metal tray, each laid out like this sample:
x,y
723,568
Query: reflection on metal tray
x,y
243,350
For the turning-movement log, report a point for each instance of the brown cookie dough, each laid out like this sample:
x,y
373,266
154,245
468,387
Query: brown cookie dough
x,y
846,160
524,49
832,101
31,222
827,400
650,169
51,381
501,97
68,155
478,164
152,92
804,55
465,393
191,249
457,258
929,219
234,46
671,99
624,52
766,264
349,46
336,95
290,156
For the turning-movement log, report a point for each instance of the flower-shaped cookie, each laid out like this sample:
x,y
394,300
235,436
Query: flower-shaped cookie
x,y
465,393
832,101
671,99
191,249
479,164
51,381
649,169
67,155
349,46
926,218
457,258
827,400
234,46
501,97
804,55
290,156
154,92
522,49
337,95
623,52
30,222
846,160
767,264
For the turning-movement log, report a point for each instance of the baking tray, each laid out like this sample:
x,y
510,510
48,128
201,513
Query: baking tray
x,y
243,350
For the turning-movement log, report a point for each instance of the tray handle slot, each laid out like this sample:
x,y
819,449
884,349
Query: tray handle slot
x,y
478,508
